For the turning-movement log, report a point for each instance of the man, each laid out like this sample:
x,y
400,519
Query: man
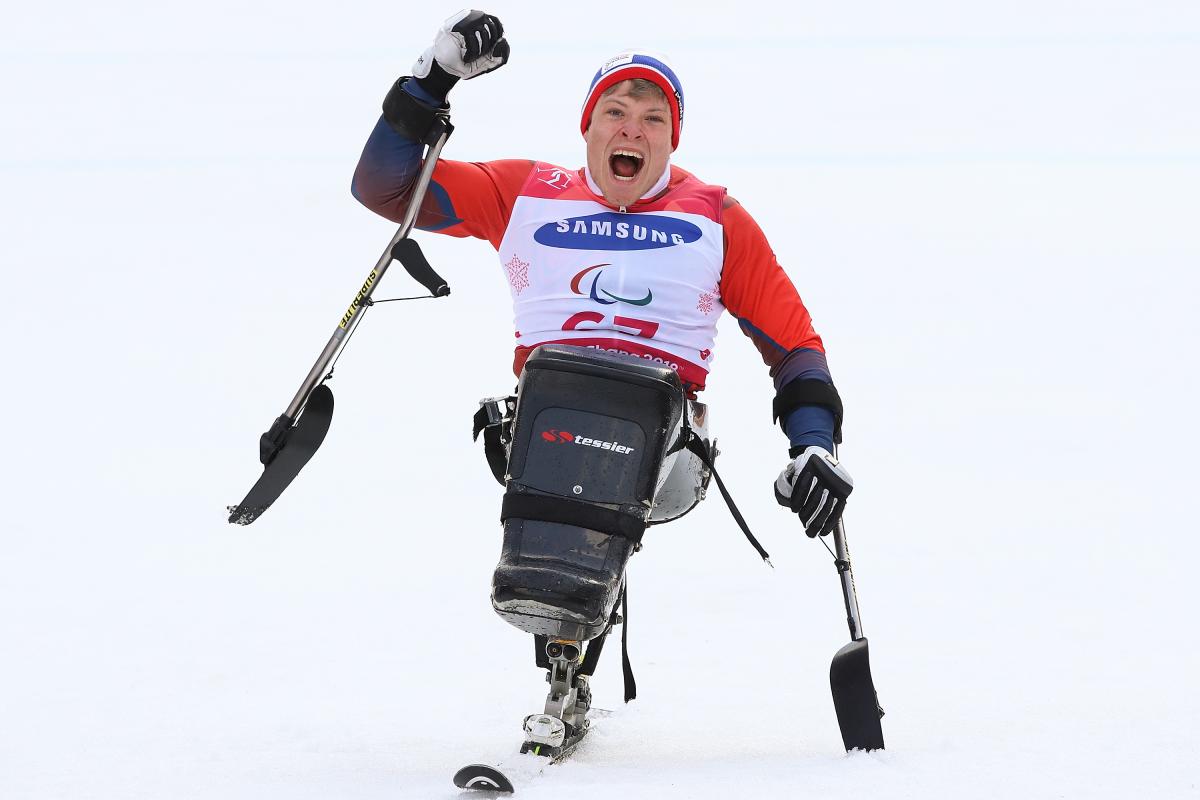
x,y
630,254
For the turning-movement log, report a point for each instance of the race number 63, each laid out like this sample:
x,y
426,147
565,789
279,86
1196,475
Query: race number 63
x,y
591,320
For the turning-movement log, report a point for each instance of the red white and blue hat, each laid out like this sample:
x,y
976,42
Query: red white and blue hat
x,y
630,65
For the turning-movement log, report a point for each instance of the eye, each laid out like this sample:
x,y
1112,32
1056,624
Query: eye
x,y
655,118
615,112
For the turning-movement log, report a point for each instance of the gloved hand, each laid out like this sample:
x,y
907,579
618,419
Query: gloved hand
x,y
469,44
815,486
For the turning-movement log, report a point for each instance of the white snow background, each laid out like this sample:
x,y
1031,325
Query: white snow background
x,y
992,211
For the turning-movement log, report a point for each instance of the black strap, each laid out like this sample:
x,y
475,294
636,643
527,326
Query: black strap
x,y
480,422
545,508
596,646
410,117
626,669
697,445
808,392
493,451
493,445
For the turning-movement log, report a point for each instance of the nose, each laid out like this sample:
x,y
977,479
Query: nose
x,y
631,129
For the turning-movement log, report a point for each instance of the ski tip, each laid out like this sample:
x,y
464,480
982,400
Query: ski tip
x,y
481,777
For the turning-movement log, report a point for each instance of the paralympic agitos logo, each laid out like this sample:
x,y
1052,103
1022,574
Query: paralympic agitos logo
x,y
613,231
556,436
633,301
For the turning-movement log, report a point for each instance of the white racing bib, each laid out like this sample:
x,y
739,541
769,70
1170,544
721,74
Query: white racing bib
x,y
644,283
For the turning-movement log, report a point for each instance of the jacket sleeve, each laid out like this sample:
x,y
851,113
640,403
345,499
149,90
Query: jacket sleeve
x,y
463,199
757,291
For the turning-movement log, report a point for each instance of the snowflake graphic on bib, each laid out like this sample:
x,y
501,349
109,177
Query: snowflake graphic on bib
x,y
518,274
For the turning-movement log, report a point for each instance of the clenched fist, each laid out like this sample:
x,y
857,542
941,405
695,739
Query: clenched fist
x,y
468,44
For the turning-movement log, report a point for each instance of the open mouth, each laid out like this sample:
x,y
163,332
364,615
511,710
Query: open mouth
x,y
625,164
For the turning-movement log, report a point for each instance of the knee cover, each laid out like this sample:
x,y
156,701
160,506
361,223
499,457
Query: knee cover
x,y
589,439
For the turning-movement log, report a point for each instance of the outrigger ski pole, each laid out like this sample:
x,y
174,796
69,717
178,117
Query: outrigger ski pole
x,y
854,697
295,436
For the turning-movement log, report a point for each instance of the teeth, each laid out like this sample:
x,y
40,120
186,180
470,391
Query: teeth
x,y
632,154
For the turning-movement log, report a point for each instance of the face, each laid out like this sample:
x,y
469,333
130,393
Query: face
x,y
628,144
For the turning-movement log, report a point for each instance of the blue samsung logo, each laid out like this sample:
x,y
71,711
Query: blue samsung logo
x,y
613,231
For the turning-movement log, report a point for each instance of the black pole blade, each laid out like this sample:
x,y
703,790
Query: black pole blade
x,y
854,698
301,441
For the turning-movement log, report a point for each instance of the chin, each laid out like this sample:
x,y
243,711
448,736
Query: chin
x,y
623,195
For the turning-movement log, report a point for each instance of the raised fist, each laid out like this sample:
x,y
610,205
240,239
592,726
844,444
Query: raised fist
x,y
469,44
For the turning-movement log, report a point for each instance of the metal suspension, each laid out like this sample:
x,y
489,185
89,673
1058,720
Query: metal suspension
x,y
564,720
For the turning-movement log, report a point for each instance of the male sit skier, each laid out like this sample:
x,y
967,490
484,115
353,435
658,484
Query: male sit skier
x,y
629,254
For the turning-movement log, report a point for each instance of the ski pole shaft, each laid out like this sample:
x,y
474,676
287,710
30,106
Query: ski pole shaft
x,y
842,556
419,269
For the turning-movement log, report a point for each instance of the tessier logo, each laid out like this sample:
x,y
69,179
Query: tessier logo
x,y
562,437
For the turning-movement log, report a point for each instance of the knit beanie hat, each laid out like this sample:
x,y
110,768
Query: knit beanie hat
x,y
630,65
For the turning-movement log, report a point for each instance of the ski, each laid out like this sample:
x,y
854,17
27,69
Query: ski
x,y
532,762
285,449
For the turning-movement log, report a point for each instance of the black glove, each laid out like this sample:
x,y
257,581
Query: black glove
x,y
469,44
815,486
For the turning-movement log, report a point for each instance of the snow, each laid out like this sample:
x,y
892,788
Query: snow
x,y
991,213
